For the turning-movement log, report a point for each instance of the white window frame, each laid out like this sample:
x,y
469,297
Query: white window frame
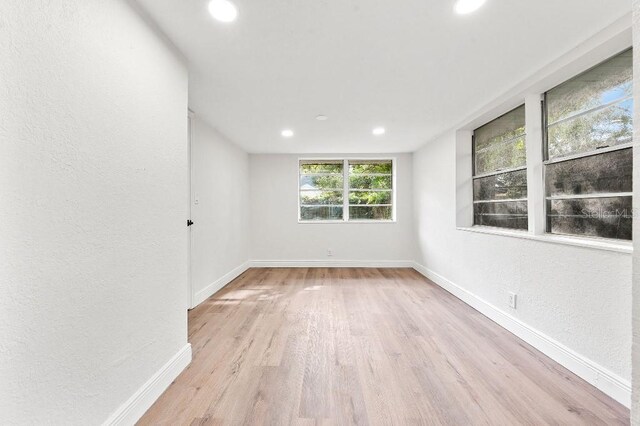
x,y
346,188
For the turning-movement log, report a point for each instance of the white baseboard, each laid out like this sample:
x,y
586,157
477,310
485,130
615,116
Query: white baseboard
x,y
215,286
603,379
336,263
135,407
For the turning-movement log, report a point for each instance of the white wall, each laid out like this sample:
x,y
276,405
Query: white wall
x,y
93,171
220,235
276,234
635,411
577,296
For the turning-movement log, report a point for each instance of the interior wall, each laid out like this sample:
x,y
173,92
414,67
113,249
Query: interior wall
x,y
93,242
577,296
635,409
220,210
276,235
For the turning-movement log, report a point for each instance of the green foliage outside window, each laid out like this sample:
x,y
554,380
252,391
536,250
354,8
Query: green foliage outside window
x,y
370,195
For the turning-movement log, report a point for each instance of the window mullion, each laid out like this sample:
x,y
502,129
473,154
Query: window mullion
x,y
345,189
535,170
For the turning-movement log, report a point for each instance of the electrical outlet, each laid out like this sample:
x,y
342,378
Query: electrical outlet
x,y
513,300
329,252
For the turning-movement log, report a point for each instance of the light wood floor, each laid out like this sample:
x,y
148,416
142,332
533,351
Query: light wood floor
x,y
364,346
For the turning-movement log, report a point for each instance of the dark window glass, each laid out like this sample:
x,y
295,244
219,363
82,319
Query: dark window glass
x,y
508,214
504,186
595,174
595,217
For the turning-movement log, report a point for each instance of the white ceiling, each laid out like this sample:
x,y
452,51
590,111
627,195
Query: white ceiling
x,y
412,66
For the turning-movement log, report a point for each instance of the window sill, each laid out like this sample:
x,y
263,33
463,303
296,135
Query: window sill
x,y
592,243
346,222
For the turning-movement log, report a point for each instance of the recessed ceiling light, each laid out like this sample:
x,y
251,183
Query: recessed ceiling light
x,y
223,10
462,7
321,117
378,131
287,133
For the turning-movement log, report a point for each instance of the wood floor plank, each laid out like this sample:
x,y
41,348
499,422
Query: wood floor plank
x,y
364,346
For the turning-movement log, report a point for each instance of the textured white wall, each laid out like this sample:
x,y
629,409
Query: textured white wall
x,y
277,235
635,397
93,171
578,296
220,182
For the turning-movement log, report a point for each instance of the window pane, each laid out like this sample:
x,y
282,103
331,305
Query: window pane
x,y
605,127
591,111
500,144
512,185
321,182
357,167
504,128
321,213
320,197
595,217
501,156
329,167
376,197
511,214
370,213
370,182
608,172
607,82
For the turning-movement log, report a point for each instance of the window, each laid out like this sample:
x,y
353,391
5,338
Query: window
x,y
370,190
321,190
580,167
588,154
369,186
500,172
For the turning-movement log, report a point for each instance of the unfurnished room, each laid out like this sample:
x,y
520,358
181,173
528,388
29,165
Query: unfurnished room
x,y
329,212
